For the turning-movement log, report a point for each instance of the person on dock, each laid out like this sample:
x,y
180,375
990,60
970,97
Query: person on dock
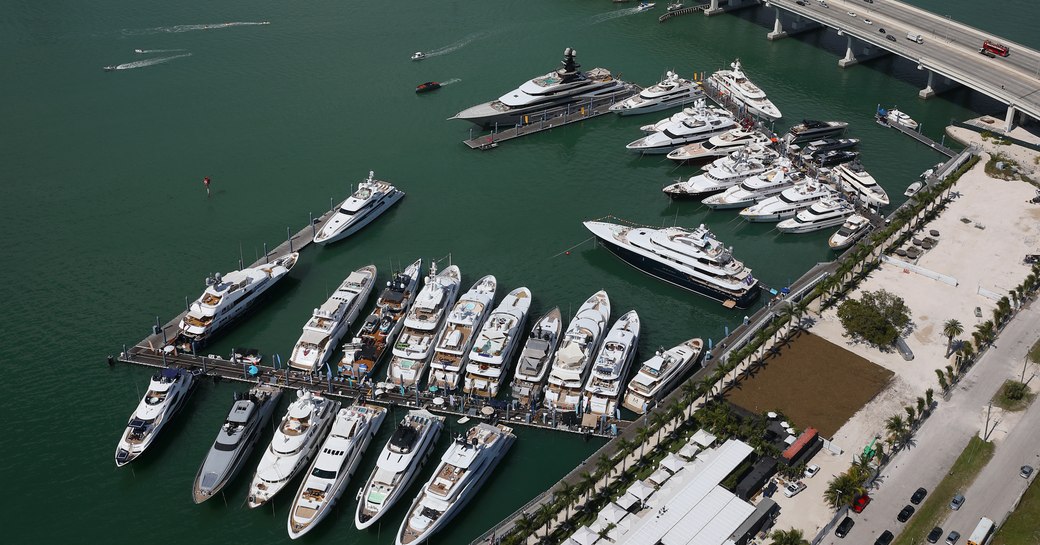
x,y
205,182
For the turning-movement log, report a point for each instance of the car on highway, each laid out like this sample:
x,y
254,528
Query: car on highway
x,y
823,3
843,528
957,502
905,514
861,503
885,538
918,496
953,537
868,22
1025,472
812,470
935,535
792,489
987,53
881,30
802,3
891,38
852,14
869,1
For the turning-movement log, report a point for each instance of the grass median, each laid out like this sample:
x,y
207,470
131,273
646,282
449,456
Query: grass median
x,y
968,465
1021,527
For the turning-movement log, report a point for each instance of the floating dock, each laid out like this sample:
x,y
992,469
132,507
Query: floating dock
x,y
682,11
916,135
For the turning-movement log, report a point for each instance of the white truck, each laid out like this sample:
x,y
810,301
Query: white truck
x,y
915,37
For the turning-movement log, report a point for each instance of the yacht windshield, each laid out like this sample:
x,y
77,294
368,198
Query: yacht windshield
x,y
323,473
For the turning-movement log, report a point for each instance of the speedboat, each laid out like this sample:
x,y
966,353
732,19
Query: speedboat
x,y
414,348
606,381
167,392
811,129
659,374
463,469
693,259
372,198
578,348
788,203
227,297
719,146
365,351
331,470
734,85
329,322
723,173
293,445
488,361
535,357
559,88
644,6
895,117
670,92
398,465
756,188
817,147
706,123
458,333
855,226
427,87
235,440
913,188
675,6
855,179
820,215
418,56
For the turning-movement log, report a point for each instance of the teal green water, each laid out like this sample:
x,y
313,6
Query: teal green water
x,y
106,224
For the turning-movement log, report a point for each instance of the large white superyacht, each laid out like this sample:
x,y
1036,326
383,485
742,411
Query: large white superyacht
x,y
724,173
706,123
337,459
670,92
825,213
734,85
756,188
329,322
413,349
398,465
720,145
488,361
788,203
466,465
659,374
535,359
293,445
372,198
852,177
460,329
578,348
606,381
167,392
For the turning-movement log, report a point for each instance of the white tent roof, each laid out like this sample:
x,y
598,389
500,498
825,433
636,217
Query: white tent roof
x,y
673,462
641,490
627,501
583,536
659,477
703,438
689,451
611,513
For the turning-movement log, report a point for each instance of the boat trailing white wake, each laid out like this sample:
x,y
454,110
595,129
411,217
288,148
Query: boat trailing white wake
x,y
450,81
604,17
144,63
451,48
147,51
190,28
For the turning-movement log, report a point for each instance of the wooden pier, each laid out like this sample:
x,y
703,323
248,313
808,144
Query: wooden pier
x,y
683,11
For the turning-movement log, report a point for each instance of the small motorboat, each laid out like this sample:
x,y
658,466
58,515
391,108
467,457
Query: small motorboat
x,y
427,87
913,189
110,68
643,6
675,7
418,56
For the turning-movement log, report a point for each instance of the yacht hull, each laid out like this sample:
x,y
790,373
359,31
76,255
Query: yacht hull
x,y
356,226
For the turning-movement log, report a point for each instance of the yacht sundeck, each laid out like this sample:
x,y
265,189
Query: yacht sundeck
x,y
708,122
329,322
581,341
659,374
167,392
489,359
756,188
535,359
380,329
372,198
414,348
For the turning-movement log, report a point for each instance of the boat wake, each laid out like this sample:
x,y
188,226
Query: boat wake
x,y
145,51
144,63
449,82
189,28
457,45
604,17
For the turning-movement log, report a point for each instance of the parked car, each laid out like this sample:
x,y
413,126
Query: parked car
x,y
885,538
861,503
935,535
918,496
905,514
811,471
843,528
956,502
953,537
1025,472
792,489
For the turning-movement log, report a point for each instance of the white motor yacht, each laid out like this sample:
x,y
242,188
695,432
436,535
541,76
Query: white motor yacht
x,y
853,229
724,173
398,465
414,348
670,92
293,445
644,6
820,215
719,146
578,348
895,117
372,198
532,368
734,85
167,392
659,374
329,322
788,203
678,117
708,122
756,188
606,381
463,469
852,177
913,188
418,56
488,361
458,333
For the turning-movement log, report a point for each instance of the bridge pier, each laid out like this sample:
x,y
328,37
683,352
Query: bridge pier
x,y
858,51
1009,119
795,24
935,85
722,6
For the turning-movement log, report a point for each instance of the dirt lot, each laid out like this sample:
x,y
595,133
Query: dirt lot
x,y
814,382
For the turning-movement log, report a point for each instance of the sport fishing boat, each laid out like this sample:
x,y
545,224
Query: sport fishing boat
x,y
535,357
895,117
853,229
167,392
581,341
659,374
372,198
670,92
227,297
811,129
719,146
463,469
398,465
330,321
708,122
337,459
788,203
235,440
756,188
293,445
734,85
821,215
855,179
488,361
691,259
606,381
365,351
415,347
460,329
567,85
724,173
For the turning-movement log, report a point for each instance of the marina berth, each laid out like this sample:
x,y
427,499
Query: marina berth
x,y
895,117
581,342
719,146
854,179
168,390
788,203
706,123
337,459
488,361
414,348
294,444
398,465
853,229
463,469
379,330
811,129
536,356
372,198
456,337
756,188
734,85
235,440
724,173
691,259
821,214
330,321
227,297
672,91
658,375
606,381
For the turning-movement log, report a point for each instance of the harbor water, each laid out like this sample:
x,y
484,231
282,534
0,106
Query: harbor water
x,y
284,105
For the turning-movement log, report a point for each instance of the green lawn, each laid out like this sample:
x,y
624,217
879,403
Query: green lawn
x,y
1006,401
974,457
1021,527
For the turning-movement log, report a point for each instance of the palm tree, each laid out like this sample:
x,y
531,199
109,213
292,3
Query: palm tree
x,y
785,316
951,328
566,494
642,434
788,537
942,379
523,527
896,429
928,398
967,351
910,413
587,483
841,490
604,465
658,420
921,405
545,515
624,448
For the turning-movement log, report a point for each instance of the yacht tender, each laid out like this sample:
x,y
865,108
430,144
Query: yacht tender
x,y
414,348
489,359
167,392
659,374
581,341
460,330
372,198
535,357
606,381
365,351
330,321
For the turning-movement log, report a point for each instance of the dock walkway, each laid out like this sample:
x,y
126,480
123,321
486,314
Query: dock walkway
x,y
683,11
916,135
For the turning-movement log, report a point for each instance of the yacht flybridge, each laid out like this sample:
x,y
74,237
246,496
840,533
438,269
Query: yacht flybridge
x,y
372,198
659,374
606,381
365,351
488,361
414,348
672,91
535,357
736,86
329,322
460,329
167,392
578,348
